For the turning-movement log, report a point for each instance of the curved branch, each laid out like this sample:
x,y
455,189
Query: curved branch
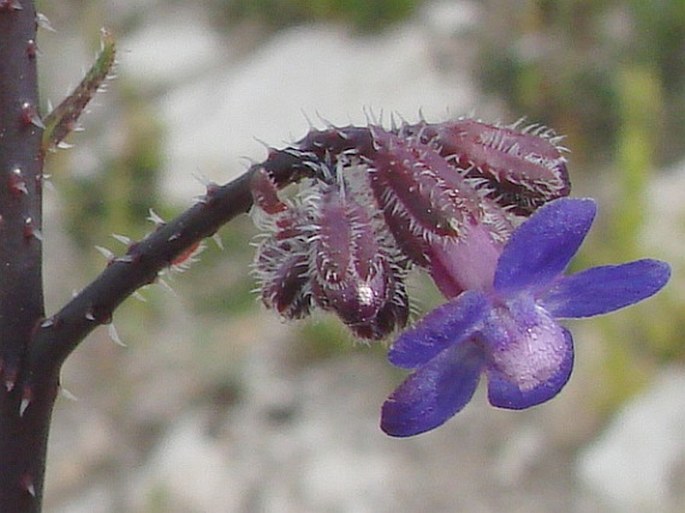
x,y
57,336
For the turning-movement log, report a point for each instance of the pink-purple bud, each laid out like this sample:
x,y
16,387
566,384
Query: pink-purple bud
x,y
422,197
351,271
281,266
520,169
326,250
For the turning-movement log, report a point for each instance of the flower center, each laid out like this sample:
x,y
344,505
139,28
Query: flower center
x,y
525,343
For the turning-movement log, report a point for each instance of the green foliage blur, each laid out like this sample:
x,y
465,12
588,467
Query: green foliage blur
x,y
364,15
568,64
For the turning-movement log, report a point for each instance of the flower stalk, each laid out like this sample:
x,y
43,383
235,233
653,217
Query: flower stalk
x,y
33,347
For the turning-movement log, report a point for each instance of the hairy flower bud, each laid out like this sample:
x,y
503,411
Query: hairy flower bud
x,y
425,201
325,249
520,169
281,266
352,272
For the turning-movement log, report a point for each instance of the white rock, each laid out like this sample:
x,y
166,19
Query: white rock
x,y
189,471
169,48
306,71
635,461
452,17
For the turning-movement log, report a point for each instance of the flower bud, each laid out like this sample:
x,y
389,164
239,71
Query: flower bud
x,y
281,266
422,197
352,273
520,169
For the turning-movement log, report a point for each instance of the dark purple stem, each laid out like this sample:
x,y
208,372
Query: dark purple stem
x,y
57,336
54,338
22,439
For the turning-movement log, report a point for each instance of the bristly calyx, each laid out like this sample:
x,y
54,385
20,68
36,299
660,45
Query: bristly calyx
x,y
374,202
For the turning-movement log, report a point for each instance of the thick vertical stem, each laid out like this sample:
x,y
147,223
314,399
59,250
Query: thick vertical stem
x,y
23,431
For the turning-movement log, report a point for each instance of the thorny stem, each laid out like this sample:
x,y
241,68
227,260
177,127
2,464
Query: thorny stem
x,y
21,300
57,336
22,439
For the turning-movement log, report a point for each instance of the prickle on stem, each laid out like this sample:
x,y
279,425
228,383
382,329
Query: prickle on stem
x,y
30,116
10,5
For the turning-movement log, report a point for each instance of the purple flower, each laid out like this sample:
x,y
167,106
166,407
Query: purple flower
x,y
507,329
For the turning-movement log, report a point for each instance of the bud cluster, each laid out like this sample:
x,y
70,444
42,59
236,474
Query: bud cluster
x,y
374,202
325,248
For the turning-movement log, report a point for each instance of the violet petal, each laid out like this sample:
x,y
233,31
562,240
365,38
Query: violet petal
x,y
535,385
446,325
604,289
434,393
541,248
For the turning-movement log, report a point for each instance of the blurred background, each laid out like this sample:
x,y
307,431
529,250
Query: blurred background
x,y
215,405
